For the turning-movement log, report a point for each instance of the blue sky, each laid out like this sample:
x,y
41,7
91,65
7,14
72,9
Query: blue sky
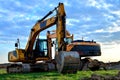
x,y
92,19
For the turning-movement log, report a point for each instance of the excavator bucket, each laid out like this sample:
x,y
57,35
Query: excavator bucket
x,y
67,62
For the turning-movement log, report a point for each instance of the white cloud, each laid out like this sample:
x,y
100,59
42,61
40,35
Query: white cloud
x,y
99,4
108,16
118,21
102,4
115,12
99,31
51,5
94,3
107,36
106,5
114,27
71,21
66,3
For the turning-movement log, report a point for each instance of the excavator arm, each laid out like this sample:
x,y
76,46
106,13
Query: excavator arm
x,y
42,24
37,28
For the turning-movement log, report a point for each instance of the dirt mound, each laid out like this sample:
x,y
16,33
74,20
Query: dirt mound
x,y
105,77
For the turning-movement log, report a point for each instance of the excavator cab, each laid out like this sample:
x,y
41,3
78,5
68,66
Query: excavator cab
x,y
41,49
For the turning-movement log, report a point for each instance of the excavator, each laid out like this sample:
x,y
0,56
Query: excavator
x,y
85,49
37,55
42,52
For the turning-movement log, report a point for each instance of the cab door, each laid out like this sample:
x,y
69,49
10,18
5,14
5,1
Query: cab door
x,y
41,48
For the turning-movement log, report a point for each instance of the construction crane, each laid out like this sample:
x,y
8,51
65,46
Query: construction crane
x,y
29,56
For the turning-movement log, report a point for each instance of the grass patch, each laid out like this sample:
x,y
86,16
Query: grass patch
x,y
52,75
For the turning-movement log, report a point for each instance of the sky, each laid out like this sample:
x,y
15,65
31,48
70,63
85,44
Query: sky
x,y
97,20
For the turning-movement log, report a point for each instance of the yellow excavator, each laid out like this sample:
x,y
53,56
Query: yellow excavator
x,y
29,56
37,55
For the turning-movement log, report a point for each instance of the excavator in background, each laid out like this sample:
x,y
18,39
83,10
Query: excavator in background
x,y
37,55
85,49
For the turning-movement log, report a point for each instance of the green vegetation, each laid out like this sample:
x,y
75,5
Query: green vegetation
x,y
52,75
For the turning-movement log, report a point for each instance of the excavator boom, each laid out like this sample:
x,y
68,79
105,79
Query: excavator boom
x,y
37,28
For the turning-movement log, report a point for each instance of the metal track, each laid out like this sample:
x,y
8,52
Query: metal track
x,y
23,68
